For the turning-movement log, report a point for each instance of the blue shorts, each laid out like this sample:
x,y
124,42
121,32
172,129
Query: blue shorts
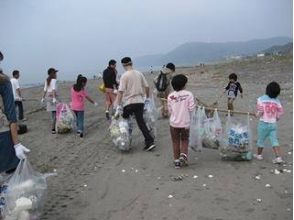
x,y
267,130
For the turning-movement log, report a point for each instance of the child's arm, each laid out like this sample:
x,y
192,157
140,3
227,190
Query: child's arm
x,y
259,109
191,103
280,111
241,90
227,87
91,100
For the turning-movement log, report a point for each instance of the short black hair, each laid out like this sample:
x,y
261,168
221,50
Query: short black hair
x,y
233,76
171,66
126,61
179,82
273,89
15,73
111,62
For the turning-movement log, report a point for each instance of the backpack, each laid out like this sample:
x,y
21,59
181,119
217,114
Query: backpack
x,y
162,83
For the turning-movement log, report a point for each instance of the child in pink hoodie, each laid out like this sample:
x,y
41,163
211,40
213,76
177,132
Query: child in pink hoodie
x,y
180,105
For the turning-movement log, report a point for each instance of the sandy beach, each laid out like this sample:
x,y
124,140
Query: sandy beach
x,y
96,181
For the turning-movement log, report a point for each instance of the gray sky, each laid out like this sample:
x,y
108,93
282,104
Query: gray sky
x,y
77,36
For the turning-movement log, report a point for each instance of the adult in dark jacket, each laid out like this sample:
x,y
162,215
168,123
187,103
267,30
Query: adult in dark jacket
x,y
111,86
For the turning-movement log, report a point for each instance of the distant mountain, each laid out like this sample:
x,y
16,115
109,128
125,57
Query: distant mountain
x,y
198,52
280,50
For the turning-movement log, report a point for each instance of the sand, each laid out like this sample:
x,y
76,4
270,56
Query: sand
x,y
97,181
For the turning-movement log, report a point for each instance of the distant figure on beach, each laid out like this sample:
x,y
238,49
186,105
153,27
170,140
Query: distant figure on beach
x,y
111,86
50,96
133,92
78,96
269,111
17,94
180,105
163,87
11,150
232,90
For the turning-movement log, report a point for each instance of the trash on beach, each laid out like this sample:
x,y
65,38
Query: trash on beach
x,y
170,196
85,185
25,191
204,185
177,178
259,200
120,134
268,185
195,177
276,172
289,152
123,171
287,171
210,176
257,177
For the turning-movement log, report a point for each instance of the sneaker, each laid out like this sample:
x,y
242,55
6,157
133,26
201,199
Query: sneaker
x,y
278,160
149,147
183,160
177,164
258,156
107,115
53,131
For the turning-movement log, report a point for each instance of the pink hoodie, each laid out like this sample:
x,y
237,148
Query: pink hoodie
x,y
180,105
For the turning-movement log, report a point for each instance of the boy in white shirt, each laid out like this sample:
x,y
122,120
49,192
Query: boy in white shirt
x,y
17,94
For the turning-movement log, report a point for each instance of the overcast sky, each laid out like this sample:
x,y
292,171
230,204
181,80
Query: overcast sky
x,y
82,35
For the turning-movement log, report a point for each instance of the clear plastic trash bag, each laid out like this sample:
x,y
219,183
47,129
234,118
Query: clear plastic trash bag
x,y
65,118
212,136
205,132
23,195
150,117
238,140
120,134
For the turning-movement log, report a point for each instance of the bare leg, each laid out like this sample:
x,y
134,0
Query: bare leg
x,y
259,150
277,151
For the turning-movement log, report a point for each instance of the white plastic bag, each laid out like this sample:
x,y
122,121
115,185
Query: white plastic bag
x,y
150,117
120,134
238,140
197,129
24,193
65,118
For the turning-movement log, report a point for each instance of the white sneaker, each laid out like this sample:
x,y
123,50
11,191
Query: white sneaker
x,y
258,156
278,160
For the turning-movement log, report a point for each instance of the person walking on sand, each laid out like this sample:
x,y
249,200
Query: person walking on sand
x,y
133,92
17,94
111,85
50,95
162,85
232,90
180,105
78,96
269,110
11,150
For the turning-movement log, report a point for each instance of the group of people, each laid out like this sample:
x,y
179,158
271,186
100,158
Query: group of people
x,y
127,97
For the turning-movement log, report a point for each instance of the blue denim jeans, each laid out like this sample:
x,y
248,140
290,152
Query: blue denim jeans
x,y
80,121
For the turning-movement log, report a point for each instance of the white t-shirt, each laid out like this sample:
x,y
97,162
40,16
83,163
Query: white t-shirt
x,y
51,87
15,86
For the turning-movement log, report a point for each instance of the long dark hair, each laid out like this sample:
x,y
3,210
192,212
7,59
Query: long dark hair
x,y
80,84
